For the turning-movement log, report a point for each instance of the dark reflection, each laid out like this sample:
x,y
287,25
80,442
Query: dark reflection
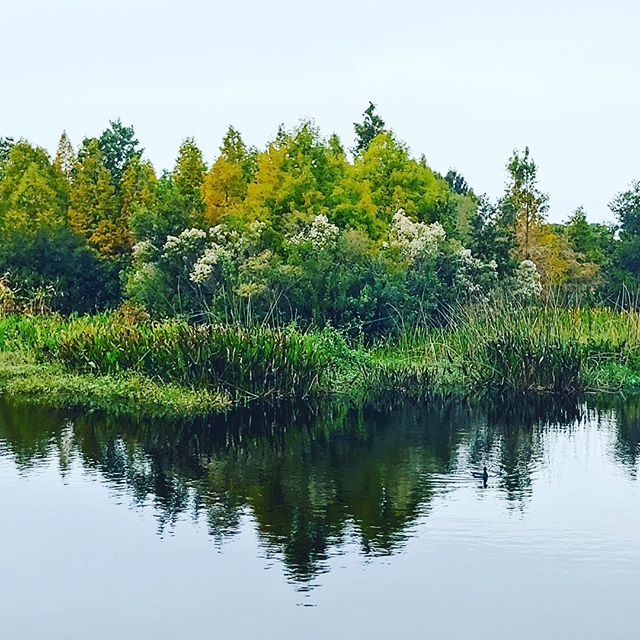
x,y
310,479
625,413
509,433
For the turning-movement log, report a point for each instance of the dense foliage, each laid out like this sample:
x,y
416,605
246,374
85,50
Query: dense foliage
x,y
371,241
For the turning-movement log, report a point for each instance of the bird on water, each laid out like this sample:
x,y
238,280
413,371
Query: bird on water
x,y
484,475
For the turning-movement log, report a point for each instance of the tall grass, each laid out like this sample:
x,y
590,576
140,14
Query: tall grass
x,y
492,349
505,348
257,362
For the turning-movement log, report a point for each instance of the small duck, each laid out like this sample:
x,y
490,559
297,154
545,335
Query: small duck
x,y
484,475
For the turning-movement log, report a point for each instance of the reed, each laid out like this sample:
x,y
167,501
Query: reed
x,y
504,348
487,349
247,363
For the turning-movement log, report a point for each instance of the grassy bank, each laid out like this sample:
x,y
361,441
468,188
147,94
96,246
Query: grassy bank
x,y
504,349
118,363
110,361
23,378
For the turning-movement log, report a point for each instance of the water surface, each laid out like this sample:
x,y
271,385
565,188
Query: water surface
x,y
328,524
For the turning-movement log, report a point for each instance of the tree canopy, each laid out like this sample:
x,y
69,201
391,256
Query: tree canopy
x,y
299,228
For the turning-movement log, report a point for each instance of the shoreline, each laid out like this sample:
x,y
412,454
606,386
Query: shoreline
x,y
175,369
132,394
23,379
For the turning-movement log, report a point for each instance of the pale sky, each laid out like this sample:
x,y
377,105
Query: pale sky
x,y
463,82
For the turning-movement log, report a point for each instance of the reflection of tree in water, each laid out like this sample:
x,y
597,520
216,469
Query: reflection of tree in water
x,y
309,480
28,431
306,483
625,412
512,438
306,479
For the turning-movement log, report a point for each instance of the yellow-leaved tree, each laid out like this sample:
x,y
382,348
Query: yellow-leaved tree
x,y
33,191
227,182
94,210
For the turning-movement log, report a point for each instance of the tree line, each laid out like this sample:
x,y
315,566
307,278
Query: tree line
x,y
304,229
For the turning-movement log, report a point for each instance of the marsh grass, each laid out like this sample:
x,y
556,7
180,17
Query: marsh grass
x,y
246,363
498,349
505,348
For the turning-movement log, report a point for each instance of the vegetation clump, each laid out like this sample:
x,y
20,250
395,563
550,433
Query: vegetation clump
x,y
498,349
302,269
49,384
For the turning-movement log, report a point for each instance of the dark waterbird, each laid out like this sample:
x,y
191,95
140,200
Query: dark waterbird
x,y
484,475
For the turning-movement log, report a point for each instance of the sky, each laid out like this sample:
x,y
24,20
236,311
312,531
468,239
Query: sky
x,y
464,83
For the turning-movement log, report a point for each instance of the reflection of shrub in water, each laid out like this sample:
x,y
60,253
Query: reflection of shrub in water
x,y
309,477
513,437
528,410
626,414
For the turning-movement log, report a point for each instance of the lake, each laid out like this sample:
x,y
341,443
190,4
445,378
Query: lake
x,y
328,523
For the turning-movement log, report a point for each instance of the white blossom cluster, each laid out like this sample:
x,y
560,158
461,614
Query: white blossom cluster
x,y
473,276
203,267
415,239
223,236
320,233
527,280
142,250
188,239
144,272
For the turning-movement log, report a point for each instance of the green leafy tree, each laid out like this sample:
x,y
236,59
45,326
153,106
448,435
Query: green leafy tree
x,y
5,147
350,201
188,179
594,241
524,203
65,159
165,214
372,125
464,203
58,261
137,188
94,210
173,202
119,146
626,207
296,178
490,239
398,181
457,183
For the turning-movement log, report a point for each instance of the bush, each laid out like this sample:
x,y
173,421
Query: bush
x,y
54,269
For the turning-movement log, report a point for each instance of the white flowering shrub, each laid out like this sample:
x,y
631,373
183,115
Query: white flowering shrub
x,y
473,277
321,234
415,240
183,246
526,281
195,270
142,277
203,268
264,275
143,250
224,237
322,274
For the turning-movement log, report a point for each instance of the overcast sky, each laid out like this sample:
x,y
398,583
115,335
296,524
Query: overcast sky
x,y
463,82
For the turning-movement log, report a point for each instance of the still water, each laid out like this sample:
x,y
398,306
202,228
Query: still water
x,y
328,524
